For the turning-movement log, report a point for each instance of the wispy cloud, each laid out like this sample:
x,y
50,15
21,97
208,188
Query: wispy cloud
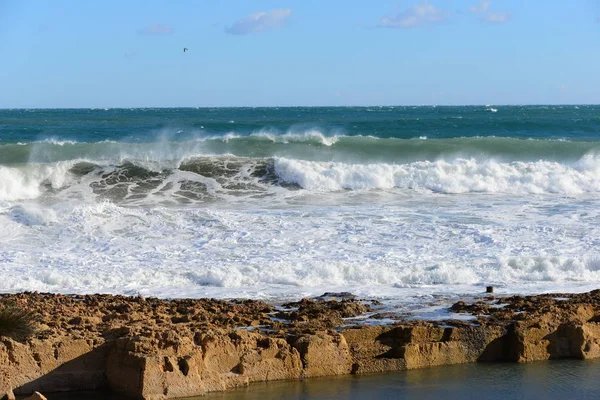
x,y
260,21
157,29
492,17
419,14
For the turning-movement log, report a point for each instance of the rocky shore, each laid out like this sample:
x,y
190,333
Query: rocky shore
x,y
149,348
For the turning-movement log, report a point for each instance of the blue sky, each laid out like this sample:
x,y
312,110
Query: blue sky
x,y
72,53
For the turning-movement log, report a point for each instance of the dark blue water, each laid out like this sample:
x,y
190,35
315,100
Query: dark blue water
x,y
555,380
92,125
550,380
348,134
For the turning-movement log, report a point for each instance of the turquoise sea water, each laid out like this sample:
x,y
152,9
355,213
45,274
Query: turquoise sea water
x,y
394,202
511,132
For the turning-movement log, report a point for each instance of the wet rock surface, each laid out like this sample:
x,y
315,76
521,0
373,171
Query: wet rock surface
x,y
309,315
150,348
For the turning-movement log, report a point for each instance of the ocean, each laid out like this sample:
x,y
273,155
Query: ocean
x,y
396,203
551,380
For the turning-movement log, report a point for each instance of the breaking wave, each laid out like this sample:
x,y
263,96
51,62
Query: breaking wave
x,y
220,177
454,176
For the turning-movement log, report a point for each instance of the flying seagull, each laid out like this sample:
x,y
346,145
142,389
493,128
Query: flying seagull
x,y
185,49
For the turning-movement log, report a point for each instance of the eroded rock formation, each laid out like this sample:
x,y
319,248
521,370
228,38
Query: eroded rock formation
x,y
159,349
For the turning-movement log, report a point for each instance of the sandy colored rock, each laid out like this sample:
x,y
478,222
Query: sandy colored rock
x,y
323,354
374,349
551,335
162,349
588,343
6,383
313,314
211,361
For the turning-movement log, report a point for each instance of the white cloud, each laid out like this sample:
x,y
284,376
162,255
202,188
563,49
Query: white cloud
x,y
260,21
419,14
481,7
493,17
496,17
157,29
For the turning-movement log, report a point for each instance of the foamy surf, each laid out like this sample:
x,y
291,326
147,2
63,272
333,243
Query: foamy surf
x,y
382,249
454,176
221,176
401,203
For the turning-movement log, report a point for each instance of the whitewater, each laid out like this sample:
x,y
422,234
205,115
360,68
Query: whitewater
x,y
398,203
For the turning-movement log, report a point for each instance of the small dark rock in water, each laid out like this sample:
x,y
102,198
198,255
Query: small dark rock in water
x,y
489,289
477,308
459,307
388,315
336,296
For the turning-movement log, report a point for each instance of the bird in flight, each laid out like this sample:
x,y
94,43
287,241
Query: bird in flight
x,y
185,49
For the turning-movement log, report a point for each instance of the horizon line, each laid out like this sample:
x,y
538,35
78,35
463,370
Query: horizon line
x,y
303,106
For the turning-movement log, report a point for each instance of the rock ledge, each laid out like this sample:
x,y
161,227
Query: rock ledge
x,y
148,348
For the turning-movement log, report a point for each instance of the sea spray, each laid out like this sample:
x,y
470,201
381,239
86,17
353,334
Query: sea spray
x,y
384,201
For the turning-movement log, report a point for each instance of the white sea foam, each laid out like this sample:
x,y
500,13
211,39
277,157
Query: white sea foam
x,y
58,142
454,176
310,135
425,241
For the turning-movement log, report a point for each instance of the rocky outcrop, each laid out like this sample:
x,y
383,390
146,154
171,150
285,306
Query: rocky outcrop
x,y
158,349
51,365
380,349
543,327
211,361
323,354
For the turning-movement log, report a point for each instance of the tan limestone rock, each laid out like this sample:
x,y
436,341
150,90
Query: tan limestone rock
x,y
219,361
6,383
160,349
549,337
324,353
589,343
373,349
424,355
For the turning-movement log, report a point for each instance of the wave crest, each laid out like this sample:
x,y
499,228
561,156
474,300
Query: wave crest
x,y
221,177
455,176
